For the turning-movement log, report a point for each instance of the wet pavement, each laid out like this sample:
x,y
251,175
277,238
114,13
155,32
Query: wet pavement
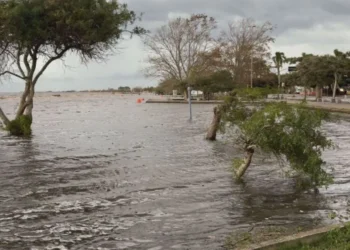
x,y
103,172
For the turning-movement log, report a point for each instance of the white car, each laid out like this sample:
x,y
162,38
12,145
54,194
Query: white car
x,y
299,89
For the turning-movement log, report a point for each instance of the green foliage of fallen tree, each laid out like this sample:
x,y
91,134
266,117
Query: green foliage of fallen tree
x,y
290,133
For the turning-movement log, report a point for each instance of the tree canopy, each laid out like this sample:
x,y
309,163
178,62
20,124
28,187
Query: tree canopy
x,y
166,86
35,33
124,89
48,29
245,42
220,81
320,70
176,50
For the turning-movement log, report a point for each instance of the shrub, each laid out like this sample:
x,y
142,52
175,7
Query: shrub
x,y
20,126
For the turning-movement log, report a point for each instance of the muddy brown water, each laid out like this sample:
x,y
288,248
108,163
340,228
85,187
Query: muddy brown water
x,y
103,172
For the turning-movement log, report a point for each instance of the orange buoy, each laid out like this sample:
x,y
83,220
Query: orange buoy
x,y
139,100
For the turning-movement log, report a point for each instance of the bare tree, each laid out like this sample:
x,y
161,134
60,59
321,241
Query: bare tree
x,y
176,50
244,42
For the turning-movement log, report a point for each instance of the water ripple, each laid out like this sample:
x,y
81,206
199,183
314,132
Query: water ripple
x,y
131,176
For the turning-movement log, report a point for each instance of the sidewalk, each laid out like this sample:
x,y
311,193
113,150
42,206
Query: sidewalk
x,y
328,106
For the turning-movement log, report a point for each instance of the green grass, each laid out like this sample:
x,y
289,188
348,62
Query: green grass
x,y
337,239
239,240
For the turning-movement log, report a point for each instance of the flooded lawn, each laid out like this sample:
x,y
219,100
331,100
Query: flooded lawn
x,y
103,172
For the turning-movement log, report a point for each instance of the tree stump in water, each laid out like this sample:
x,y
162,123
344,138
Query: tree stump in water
x,y
4,118
214,126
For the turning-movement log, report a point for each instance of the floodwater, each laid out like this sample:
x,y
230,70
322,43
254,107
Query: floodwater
x,y
102,172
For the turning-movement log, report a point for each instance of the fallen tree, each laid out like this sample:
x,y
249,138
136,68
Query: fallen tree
x,y
292,134
247,95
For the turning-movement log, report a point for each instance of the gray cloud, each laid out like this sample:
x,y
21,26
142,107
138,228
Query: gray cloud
x,y
285,14
316,26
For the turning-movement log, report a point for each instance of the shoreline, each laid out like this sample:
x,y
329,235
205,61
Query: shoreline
x,y
326,106
166,101
341,107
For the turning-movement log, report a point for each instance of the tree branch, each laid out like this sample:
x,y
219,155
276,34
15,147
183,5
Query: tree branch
x,y
18,59
33,55
58,56
5,47
11,73
25,59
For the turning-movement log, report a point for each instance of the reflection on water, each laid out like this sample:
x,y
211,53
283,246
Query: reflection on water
x,y
102,172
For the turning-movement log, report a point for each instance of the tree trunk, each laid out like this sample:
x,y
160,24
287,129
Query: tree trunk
x,y
4,118
247,160
186,94
26,103
318,93
21,126
22,103
214,126
335,86
279,81
30,102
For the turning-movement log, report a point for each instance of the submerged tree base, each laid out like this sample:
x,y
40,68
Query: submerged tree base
x,y
21,126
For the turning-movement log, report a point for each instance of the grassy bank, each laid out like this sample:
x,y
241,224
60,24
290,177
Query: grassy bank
x,y
263,233
337,239
329,107
282,238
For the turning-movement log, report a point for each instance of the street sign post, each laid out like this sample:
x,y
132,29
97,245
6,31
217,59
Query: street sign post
x,y
189,101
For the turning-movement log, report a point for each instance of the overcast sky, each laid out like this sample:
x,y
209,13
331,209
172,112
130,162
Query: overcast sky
x,y
313,26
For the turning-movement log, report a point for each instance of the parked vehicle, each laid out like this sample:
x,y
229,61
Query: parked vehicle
x,y
299,89
328,91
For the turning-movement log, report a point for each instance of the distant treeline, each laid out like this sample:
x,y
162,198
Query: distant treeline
x,y
122,89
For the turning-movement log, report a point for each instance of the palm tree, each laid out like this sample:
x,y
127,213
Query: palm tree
x,y
341,66
279,59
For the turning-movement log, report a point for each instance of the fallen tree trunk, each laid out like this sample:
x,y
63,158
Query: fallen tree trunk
x,y
246,163
214,126
4,118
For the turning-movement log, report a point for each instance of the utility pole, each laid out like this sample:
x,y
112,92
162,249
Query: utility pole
x,y
189,101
